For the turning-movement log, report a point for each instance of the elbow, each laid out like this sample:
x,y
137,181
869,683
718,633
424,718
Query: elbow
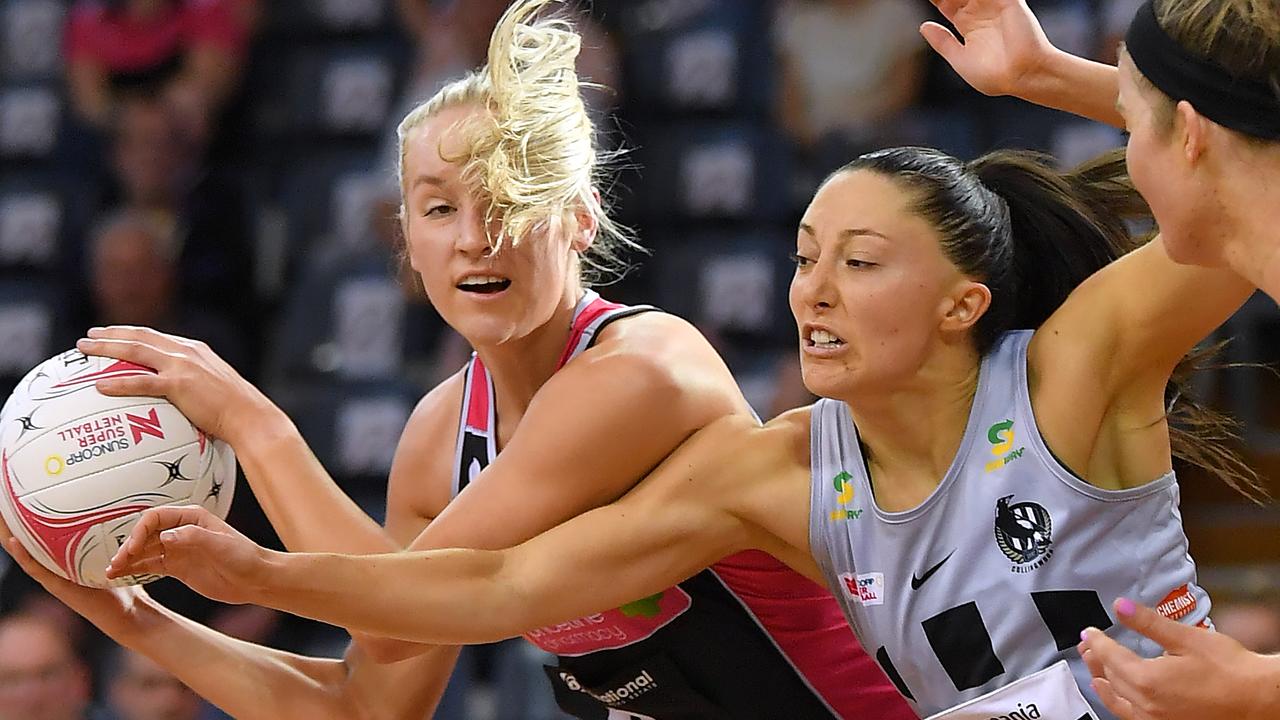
x,y
385,651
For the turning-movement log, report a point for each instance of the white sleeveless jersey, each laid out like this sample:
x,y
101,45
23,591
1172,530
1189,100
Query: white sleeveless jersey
x,y
994,576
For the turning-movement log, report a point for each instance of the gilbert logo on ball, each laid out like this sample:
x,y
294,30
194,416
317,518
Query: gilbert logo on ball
x,y
77,467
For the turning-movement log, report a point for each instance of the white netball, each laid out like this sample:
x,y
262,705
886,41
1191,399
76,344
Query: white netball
x,y
78,467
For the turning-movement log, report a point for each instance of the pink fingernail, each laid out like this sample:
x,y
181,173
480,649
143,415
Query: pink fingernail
x,y
1084,635
1126,607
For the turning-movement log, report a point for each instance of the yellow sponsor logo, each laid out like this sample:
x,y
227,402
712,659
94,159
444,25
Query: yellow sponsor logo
x,y
1001,437
53,465
844,495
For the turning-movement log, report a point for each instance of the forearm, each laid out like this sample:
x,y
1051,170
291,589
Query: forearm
x,y
305,506
445,597
247,681
460,597
1075,85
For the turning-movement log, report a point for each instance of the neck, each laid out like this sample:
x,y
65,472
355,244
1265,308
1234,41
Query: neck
x,y
520,367
1249,223
911,433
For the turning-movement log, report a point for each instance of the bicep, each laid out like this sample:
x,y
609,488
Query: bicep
x,y
410,505
584,442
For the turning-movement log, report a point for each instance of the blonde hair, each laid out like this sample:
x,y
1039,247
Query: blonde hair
x,y
1242,36
533,154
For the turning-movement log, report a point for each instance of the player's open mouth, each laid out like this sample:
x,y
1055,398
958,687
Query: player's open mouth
x,y
822,339
484,284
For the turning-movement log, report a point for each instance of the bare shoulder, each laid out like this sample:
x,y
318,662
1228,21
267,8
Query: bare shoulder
x,y
792,429
419,486
436,413
663,355
651,338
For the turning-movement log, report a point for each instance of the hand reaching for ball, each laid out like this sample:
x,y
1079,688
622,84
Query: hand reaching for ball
x,y
196,547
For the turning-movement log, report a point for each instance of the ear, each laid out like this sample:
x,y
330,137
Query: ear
x,y
585,216
1194,130
962,308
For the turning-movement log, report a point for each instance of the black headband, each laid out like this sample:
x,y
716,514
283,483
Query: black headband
x,y
1248,106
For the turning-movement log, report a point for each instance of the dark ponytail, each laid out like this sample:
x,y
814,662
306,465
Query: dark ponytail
x,y
1008,219
1064,226
1032,234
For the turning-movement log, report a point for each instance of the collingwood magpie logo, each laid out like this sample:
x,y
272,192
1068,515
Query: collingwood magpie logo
x,y
1024,532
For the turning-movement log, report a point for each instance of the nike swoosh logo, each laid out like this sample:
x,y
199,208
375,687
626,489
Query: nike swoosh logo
x,y
916,582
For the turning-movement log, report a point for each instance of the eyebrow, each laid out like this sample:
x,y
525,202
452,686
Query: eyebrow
x,y
428,180
847,233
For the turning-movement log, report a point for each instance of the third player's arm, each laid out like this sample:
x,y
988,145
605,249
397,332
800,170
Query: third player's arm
x,y
1005,52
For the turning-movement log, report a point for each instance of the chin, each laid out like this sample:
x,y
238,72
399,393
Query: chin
x,y
488,333
825,383
1187,248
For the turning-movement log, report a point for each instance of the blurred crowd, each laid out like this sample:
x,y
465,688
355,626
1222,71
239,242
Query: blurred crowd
x,y
225,170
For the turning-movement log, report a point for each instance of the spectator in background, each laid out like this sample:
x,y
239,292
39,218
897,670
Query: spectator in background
x,y
133,281
1254,624
850,68
453,38
139,689
41,677
187,52
157,170
1114,18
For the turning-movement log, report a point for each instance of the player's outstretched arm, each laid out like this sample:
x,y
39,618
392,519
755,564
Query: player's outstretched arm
x,y
684,517
1202,675
1005,52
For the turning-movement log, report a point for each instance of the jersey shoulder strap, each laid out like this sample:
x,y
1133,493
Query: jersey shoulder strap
x,y
477,444
477,428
